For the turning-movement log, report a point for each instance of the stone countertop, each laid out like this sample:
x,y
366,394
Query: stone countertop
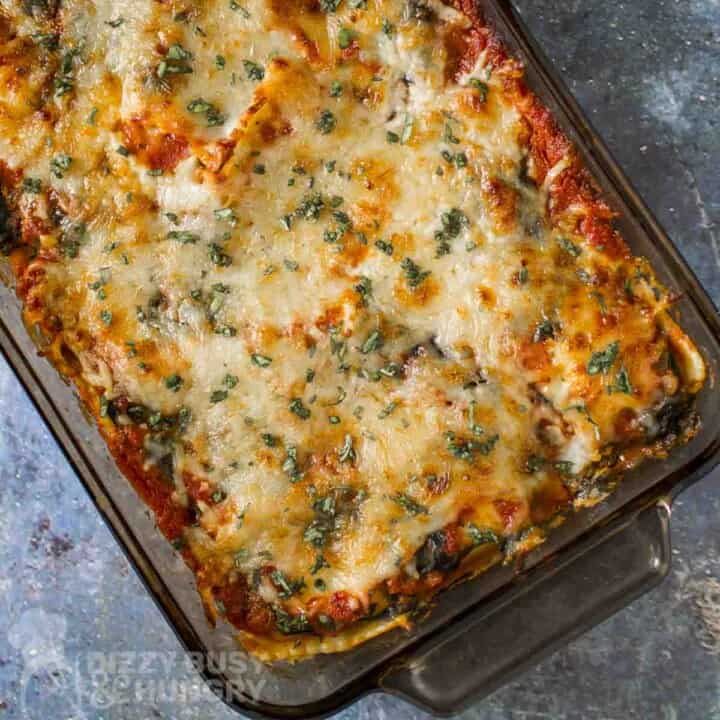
x,y
646,72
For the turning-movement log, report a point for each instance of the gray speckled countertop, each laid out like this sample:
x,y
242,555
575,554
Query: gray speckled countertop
x,y
646,71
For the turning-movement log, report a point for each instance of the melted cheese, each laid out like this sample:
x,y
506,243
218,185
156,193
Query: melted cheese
x,y
309,263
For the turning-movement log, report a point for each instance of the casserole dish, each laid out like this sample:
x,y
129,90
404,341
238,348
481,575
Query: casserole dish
x,y
290,688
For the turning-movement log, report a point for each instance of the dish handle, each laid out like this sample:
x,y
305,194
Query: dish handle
x,y
543,612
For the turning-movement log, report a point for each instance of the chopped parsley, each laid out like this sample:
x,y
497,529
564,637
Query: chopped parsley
x,y
326,122
481,537
387,27
372,343
285,585
364,289
569,247
213,116
176,62
253,70
534,463
622,382
226,215
387,410
414,275
346,37
385,247
269,440
564,468
174,382
290,464
183,236
230,381
289,624
310,207
64,82
481,87
107,317
59,164
545,330
236,7
329,6
336,89
217,256
297,407
452,222
407,130
603,360
410,506
32,185
261,360
466,449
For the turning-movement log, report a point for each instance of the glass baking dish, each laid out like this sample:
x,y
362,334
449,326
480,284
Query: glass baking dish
x,y
481,633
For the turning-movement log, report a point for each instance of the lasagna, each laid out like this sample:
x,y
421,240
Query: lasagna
x,y
348,310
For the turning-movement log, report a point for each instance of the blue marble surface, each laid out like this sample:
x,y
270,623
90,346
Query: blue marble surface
x,y
647,74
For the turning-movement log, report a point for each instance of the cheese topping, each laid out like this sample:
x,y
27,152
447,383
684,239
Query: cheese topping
x,y
330,273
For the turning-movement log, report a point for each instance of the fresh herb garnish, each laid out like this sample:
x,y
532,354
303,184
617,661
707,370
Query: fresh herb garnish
x,y
298,408
453,222
183,236
253,70
236,7
385,247
32,185
226,215
213,116
466,449
218,396
176,62
569,247
59,164
622,382
290,464
287,586
326,122
289,624
414,275
410,506
329,6
372,343
174,382
262,361
346,37
481,87
387,410
545,330
217,256
481,537
603,360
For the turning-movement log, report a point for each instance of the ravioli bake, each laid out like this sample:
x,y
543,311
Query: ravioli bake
x,y
345,304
